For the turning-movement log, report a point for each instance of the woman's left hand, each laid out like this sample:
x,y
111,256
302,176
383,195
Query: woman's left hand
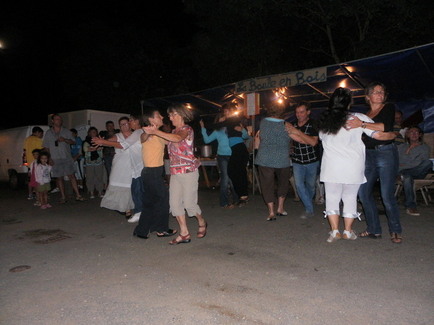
x,y
354,123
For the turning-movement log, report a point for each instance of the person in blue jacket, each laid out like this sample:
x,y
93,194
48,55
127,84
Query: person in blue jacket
x,y
227,194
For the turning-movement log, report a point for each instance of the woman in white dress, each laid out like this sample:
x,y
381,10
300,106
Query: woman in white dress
x,y
343,161
118,194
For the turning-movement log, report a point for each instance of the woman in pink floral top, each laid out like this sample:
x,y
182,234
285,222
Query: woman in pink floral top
x,y
184,179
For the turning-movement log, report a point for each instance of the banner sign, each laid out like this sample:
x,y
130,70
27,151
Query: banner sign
x,y
252,104
282,80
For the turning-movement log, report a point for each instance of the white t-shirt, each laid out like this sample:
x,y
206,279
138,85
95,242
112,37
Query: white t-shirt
x,y
343,159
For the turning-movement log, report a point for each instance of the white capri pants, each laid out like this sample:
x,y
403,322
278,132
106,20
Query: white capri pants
x,y
335,192
183,194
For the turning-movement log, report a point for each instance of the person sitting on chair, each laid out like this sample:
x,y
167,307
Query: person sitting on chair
x,y
414,163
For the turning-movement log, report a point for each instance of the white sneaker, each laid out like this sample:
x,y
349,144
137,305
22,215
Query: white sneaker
x,y
135,217
55,190
349,235
333,237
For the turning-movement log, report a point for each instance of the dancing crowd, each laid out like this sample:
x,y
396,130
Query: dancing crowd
x,y
148,170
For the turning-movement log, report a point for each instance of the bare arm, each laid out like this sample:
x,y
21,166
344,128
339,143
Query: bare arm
x,y
299,136
171,137
358,123
107,143
380,135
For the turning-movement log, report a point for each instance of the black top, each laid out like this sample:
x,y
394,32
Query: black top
x,y
305,153
387,117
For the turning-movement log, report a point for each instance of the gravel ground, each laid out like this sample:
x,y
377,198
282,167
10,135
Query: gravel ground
x,y
80,264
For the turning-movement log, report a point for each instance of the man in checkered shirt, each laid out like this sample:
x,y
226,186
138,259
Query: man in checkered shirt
x,y
305,157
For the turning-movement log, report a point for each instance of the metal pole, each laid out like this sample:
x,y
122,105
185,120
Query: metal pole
x,y
142,102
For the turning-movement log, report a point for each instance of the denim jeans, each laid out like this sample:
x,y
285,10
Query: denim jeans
x,y
408,175
227,193
137,194
305,180
382,164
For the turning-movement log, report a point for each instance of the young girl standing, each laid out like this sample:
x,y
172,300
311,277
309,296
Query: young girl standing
x,y
42,175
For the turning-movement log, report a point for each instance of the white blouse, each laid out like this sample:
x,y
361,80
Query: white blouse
x,y
343,159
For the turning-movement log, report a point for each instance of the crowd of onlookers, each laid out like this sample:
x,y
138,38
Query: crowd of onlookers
x,y
147,168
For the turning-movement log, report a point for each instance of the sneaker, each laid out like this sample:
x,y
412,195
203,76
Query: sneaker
x,y
413,212
349,235
333,236
30,197
135,217
55,190
37,204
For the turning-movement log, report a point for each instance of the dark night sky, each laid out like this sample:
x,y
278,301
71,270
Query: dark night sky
x,y
35,38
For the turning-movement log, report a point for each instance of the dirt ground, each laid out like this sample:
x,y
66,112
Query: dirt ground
x,y
78,263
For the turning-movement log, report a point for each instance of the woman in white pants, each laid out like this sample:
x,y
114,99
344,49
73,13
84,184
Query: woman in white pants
x,y
343,161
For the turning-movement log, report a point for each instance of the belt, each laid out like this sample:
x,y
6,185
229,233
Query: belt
x,y
380,146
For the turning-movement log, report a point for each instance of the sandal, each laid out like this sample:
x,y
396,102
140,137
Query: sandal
x,y
201,234
183,240
271,218
62,201
366,234
395,238
79,198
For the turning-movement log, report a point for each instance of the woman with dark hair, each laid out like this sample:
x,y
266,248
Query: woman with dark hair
x,y
343,161
382,163
237,166
227,193
155,212
96,175
184,174
273,161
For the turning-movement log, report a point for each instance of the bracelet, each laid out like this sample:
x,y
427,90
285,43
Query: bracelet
x,y
363,125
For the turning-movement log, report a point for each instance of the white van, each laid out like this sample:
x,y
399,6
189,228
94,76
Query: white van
x,y
13,167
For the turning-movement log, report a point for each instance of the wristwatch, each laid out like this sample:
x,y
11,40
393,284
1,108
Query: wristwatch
x,y
363,125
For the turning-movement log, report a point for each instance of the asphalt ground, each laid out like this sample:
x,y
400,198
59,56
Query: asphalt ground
x,y
78,263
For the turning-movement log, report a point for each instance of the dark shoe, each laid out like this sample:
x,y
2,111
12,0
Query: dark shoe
x,y
201,234
366,234
183,240
135,234
395,238
168,233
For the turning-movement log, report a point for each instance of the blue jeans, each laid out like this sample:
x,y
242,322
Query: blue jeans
x,y
408,175
227,193
137,194
381,163
305,180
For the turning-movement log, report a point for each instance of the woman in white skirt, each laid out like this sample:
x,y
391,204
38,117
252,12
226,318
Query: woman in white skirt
x,y
118,194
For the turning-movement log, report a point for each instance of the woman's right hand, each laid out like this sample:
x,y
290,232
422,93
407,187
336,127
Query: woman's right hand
x,y
202,125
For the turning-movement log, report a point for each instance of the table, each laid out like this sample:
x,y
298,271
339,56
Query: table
x,y
212,162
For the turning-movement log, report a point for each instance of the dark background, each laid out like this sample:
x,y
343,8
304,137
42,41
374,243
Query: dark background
x,y
62,56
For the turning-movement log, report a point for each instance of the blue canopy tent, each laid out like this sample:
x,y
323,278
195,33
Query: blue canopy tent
x,y
408,74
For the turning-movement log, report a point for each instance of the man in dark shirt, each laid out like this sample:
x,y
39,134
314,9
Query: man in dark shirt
x,y
305,158
108,152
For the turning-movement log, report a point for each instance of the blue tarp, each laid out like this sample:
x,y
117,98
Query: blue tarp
x,y
407,74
